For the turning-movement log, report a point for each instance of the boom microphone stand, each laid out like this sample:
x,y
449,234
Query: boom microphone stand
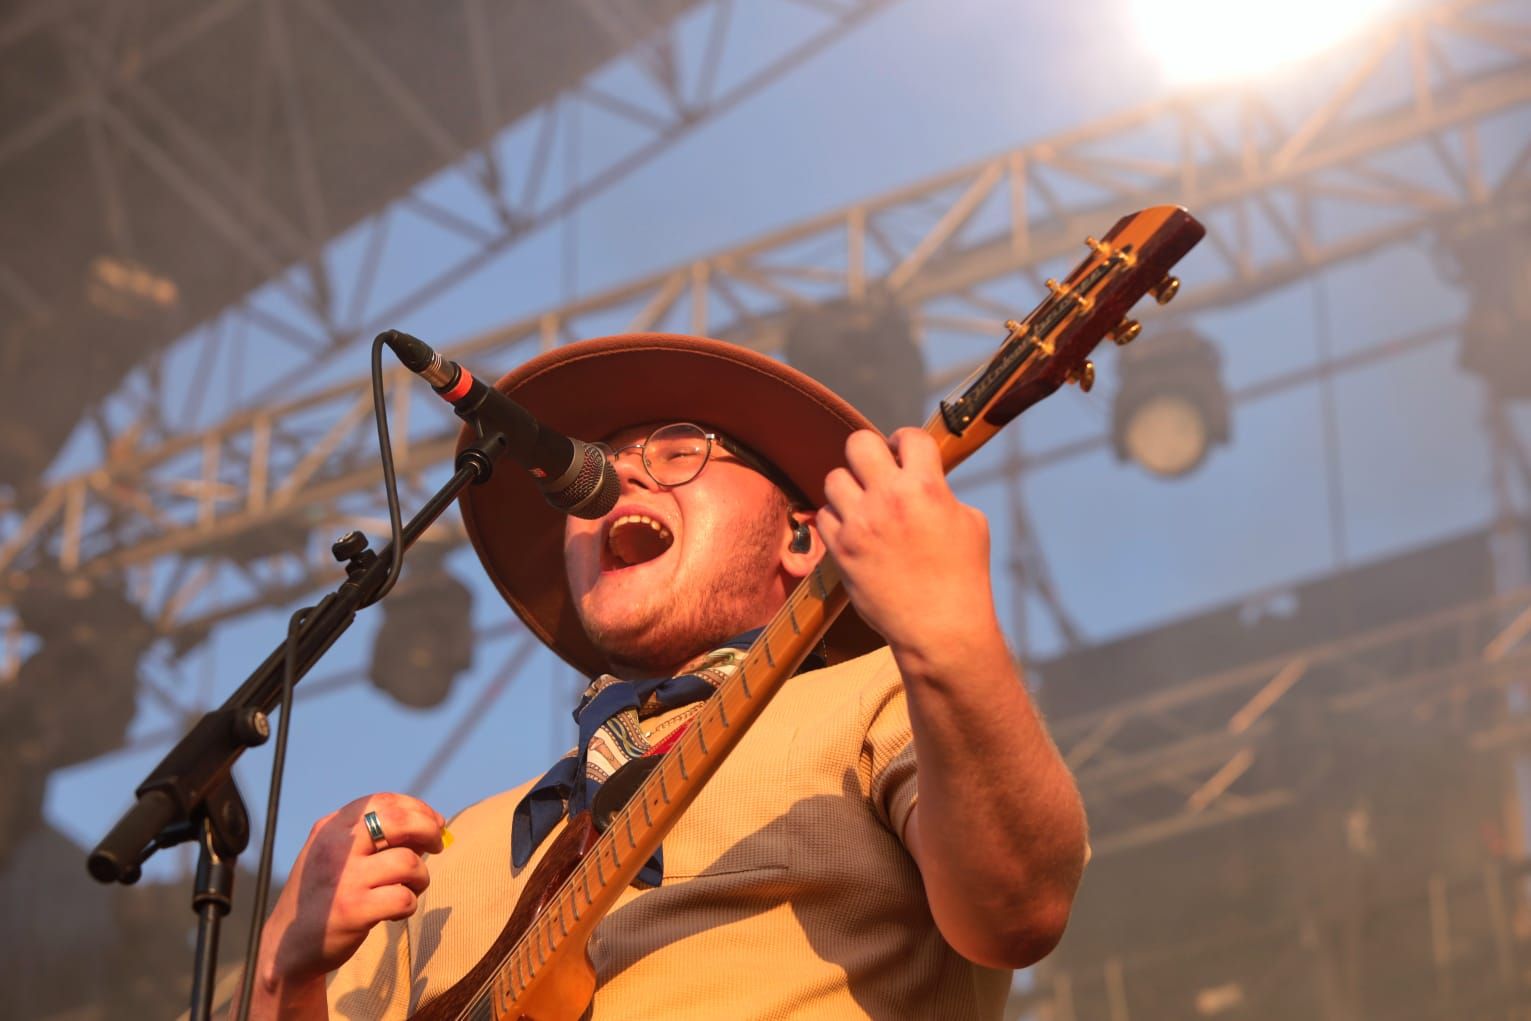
x,y
191,794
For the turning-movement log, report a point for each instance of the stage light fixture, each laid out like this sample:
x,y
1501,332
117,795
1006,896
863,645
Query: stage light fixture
x,y
280,536
74,698
1171,408
1202,41
1489,255
425,638
865,352
128,289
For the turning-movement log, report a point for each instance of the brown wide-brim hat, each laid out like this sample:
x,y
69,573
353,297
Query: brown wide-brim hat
x,y
593,388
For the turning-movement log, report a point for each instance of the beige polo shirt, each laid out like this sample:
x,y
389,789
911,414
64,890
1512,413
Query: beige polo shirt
x,y
787,891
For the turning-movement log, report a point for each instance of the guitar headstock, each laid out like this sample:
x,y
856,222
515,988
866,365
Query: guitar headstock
x,y
1052,345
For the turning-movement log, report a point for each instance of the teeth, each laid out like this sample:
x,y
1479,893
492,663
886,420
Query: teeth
x,y
634,538
642,519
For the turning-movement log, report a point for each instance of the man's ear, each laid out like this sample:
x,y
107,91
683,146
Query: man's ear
x,y
803,548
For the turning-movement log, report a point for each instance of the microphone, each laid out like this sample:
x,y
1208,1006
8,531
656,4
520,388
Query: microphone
x,y
574,476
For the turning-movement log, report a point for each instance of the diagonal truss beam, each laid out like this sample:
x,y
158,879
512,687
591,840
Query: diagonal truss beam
x,y
1280,182
1186,757
268,203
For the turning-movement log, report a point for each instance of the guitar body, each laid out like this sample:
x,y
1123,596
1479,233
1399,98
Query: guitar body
x,y
564,989
564,994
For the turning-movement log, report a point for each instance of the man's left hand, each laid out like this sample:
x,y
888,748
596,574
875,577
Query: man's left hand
x,y
914,557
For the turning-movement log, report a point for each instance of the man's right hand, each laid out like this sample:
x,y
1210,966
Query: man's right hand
x,y
340,887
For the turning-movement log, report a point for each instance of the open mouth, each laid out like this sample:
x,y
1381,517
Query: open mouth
x,y
634,539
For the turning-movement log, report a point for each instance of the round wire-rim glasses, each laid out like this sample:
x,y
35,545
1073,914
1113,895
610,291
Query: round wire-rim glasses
x,y
675,454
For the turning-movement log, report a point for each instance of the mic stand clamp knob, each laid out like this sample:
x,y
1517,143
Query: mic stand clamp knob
x,y
349,546
351,549
251,727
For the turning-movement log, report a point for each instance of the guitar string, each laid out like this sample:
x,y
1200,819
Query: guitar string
x,y
1089,276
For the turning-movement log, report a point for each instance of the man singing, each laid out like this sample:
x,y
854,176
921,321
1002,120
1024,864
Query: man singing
x,y
895,833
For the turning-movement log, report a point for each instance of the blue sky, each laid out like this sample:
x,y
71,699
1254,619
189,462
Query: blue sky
x,y
926,86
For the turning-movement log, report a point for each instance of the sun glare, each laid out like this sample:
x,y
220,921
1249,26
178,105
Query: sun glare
x,y
1201,41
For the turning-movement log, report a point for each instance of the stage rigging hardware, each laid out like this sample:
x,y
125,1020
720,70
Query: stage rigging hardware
x,y
173,163
1232,155
173,497
1249,165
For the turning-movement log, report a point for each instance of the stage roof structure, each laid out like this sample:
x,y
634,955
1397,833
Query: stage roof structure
x,y
158,162
1287,188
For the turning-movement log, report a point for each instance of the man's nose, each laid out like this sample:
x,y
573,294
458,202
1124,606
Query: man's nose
x,y
628,464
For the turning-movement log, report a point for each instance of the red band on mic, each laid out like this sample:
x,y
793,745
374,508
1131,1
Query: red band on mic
x,y
464,381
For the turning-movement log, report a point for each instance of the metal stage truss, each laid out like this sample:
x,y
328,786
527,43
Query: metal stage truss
x,y
1386,150
1190,755
1318,960
175,162
1387,141
1193,755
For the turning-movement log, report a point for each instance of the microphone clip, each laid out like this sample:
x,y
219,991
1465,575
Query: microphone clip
x,y
480,456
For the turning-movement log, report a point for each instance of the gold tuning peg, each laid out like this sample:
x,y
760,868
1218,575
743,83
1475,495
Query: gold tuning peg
x,y
1058,289
1126,332
1166,289
1084,376
1012,326
1100,248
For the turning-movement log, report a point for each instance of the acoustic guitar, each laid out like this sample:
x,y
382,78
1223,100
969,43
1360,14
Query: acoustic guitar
x,y
538,968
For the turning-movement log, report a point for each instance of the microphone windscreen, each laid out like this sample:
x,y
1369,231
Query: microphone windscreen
x,y
594,489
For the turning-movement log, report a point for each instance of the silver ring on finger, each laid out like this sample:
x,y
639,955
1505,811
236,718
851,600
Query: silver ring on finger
x,y
375,831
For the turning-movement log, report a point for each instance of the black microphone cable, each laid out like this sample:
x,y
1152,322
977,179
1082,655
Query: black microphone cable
x,y
289,675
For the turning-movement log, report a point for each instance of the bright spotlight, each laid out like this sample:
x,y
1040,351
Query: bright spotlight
x,y
1171,408
1201,41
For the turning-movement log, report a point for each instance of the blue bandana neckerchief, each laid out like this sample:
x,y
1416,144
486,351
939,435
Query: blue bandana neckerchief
x,y
609,715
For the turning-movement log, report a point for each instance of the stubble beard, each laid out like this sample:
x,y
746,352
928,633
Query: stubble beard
x,y
675,626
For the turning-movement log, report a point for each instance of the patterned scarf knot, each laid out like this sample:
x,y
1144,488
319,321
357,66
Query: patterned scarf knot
x,y
610,715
